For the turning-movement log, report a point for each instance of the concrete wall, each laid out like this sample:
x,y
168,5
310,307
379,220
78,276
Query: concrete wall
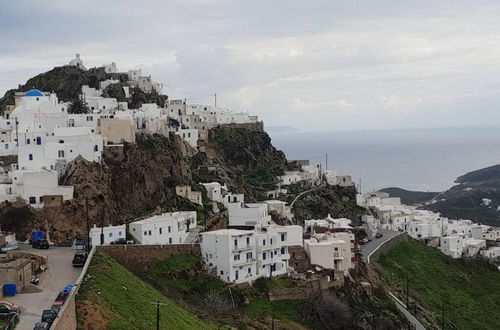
x,y
138,258
387,246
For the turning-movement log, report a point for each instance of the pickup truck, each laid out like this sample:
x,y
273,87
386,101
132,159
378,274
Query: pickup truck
x,y
79,259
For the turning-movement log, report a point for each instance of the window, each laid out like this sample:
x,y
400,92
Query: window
x,y
119,233
41,199
283,250
27,141
110,234
236,257
30,156
235,243
264,242
96,148
145,233
249,270
248,240
160,230
271,241
6,146
170,240
169,229
264,256
149,233
222,272
32,200
282,237
60,153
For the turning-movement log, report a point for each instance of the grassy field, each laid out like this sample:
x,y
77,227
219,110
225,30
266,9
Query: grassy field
x,y
129,300
469,290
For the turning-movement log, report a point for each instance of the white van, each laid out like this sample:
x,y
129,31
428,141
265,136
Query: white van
x,y
10,246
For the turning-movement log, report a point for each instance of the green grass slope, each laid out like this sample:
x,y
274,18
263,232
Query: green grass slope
x,y
470,290
128,301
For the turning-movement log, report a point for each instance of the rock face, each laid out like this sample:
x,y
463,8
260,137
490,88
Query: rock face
x,y
131,181
339,202
243,157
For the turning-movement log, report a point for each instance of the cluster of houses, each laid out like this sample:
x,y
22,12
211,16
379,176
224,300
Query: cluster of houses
x,y
252,245
38,129
455,238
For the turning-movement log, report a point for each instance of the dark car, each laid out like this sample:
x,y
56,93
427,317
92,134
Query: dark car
x,y
60,299
79,259
48,316
42,326
40,244
379,235
8,310
119,241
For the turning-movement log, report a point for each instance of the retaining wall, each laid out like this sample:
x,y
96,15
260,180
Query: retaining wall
x,y
138,258
387,246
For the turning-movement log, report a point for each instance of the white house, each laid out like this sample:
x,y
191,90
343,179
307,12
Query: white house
x,y
111,234
240,256
215,191
492,253
452,246
290,177
167,228
327,223
248,215
331,250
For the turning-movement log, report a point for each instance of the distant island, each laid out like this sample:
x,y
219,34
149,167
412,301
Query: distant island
x,y
476,196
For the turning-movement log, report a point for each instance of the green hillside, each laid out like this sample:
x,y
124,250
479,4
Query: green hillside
x,y
125,302
470,290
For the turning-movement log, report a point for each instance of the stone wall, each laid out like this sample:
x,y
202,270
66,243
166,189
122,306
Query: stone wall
x,y
302,290
138,258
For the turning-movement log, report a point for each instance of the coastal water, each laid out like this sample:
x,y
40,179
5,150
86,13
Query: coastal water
x,y
417,159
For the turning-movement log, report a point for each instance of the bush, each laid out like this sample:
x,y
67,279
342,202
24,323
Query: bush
x,y
323,310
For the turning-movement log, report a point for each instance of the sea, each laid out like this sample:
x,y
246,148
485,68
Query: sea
x,y
416,159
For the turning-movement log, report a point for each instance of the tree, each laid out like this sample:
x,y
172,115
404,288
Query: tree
x,y
324,310
78,106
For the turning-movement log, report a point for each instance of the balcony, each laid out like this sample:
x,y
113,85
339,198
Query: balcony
x,y
242,262
242,247
285,256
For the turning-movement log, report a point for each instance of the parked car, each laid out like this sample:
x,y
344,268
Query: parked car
x,y
60,299
362,241
8,310
42,326
40,244
119,241
378,235
10,246
79,259
9,303
48,315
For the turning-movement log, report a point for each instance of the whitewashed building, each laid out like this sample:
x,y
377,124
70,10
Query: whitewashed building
x,y
452,246
331,250
166,228
240,256
111,234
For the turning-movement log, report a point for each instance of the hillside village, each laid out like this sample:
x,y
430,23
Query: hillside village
x,y
42,136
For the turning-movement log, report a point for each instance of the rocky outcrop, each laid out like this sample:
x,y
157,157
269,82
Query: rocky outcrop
x,y
131,180
339,202
243,158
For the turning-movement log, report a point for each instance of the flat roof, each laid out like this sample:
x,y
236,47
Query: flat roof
x,y
232,232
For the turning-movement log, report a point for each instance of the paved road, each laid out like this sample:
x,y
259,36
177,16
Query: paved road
x,y
376,242
53,280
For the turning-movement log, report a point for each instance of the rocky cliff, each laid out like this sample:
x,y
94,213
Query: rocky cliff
x,y
131,181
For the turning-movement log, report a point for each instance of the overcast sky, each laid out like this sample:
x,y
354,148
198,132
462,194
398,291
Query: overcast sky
x,y
316,65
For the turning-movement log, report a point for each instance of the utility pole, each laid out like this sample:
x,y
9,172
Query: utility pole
x,y
158,304
215,99
157,315
443,316
407,291
326,162
88,226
